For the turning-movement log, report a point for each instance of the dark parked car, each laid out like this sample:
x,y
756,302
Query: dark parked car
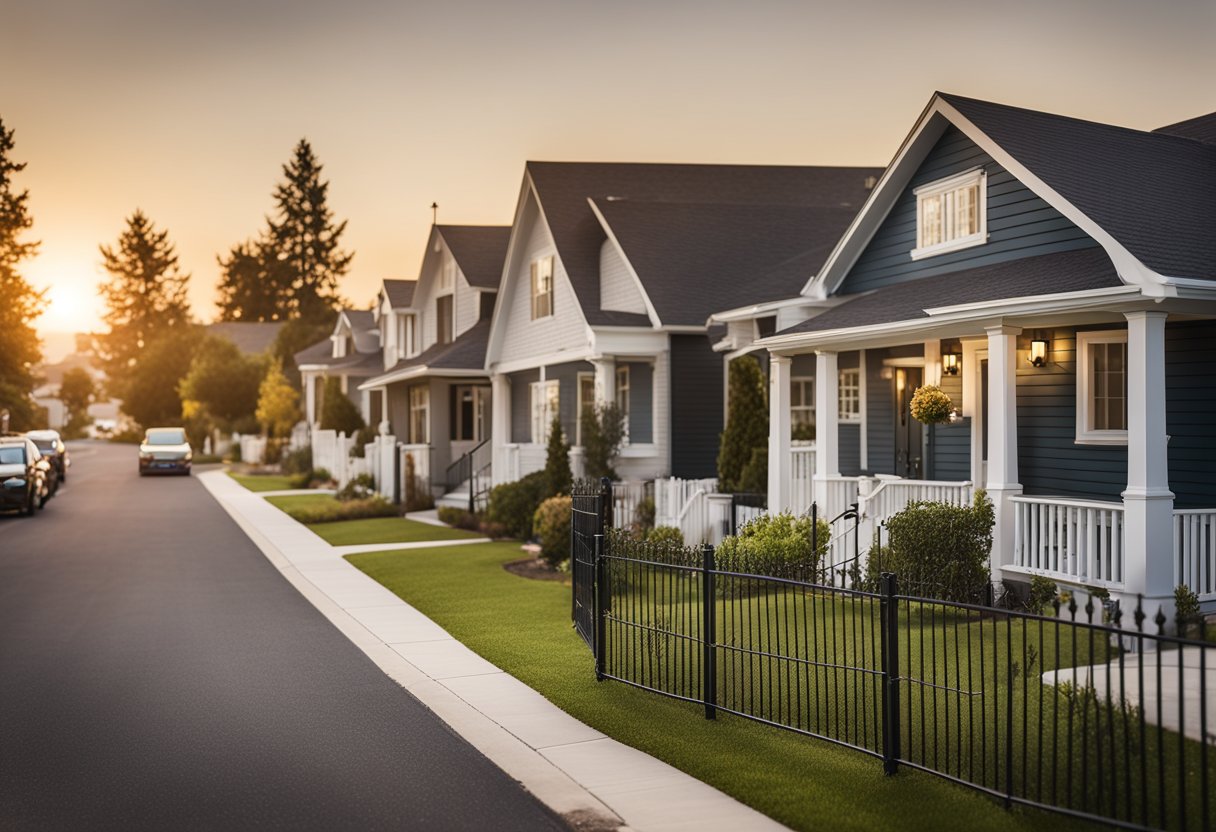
x,y
52,447
23,475
165,450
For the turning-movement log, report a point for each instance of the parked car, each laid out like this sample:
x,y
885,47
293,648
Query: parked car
x,y
52,447
165,449
23,475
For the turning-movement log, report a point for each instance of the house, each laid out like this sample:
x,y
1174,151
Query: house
x,y
351,354
610,275
1057,279
431,386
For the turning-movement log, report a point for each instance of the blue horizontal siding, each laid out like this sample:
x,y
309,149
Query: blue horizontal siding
x,y
1190,355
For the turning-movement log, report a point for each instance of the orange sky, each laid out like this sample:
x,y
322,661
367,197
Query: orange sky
x,y
188,110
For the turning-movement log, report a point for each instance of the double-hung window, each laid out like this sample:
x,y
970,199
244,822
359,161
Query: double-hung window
x,y
444,323
542,287
622,395
545,401
951,214
802,407
848,390
1102,387
420,408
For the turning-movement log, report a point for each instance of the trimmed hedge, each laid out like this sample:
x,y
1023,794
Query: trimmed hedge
x,y
779,545
513,504
349,510
552,526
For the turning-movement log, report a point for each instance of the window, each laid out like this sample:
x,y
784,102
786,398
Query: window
x,y
802,407
542,287
586,400
622,395
1102,387
447,275
951,214
545,400
849,395
443,320
469,418
420,408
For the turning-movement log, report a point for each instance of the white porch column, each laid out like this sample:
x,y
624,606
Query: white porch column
x,y
310,399
500,426
827,425
1148,503
779,462
605,380
1002,430
365,406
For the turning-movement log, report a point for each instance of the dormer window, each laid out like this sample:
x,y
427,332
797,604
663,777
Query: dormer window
x,y
951,214
542,287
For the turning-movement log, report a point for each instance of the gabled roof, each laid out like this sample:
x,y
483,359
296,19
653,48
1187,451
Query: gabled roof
x,y
564,189
479,250
250,337
363,329
1200,128
400,293
320,355
466,355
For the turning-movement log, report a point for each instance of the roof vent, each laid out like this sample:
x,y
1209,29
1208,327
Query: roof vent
x,y
870,182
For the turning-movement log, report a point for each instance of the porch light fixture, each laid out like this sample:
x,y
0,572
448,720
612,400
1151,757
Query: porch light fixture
x,y
1038,352
950,362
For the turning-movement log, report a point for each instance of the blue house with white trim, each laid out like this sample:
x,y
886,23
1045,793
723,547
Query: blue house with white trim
x,y
1057,279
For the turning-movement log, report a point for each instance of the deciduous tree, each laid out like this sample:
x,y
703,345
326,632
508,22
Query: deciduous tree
x,y
76,391
151,395
278,403
221,386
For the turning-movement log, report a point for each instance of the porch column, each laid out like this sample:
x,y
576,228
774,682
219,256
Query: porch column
x,y
310,399
827,426
605,380
1148,503
385,423
500,426
365,406
779,490
1002,430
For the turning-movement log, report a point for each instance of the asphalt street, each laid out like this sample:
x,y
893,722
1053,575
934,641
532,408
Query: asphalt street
x,y
156,672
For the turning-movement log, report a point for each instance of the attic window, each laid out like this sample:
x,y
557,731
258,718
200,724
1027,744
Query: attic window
x,y
542,287
951,214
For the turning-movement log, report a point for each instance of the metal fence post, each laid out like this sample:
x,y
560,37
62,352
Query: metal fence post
x,y
889,611
709,660
602,600
605,505
472,490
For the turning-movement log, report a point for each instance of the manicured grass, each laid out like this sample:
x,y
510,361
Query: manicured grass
x,y
368,530
523,626
262,482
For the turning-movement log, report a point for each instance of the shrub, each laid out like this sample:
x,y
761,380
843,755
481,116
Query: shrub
x,y
358,488
552,525
298,461
643,514
322,475
557,460
418,496
349,510
460,518
1042,593
938,550
665,536
803,432
746,422
1186,609
603,428
779,545
365,435
338,412
754,477
513,504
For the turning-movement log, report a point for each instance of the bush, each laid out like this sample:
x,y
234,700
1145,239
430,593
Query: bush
x,y
513,504
1186,610
603,429
298,461
338,412
665,536
754,477
365,436
459,518
358,488
1042,593
552,524
938,550
349,510
779,545
643,515
494,531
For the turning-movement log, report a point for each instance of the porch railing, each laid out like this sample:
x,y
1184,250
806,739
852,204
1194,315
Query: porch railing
x,y
671,495
1195,551
802,477
891,496
1074,540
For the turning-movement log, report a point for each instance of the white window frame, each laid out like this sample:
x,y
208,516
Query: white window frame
x,y
946,188
805,385
420,406
848,406
447,275
542,287
545,400
582,404
622,395
1086,435
451,318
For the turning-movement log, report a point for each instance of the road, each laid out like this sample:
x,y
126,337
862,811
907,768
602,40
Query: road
x,y
156,672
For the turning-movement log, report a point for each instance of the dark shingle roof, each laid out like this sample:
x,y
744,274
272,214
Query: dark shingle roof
x,y
563,189
320,354
697,259
251,338
400,292
480,251
466,352
1153,192
1200,128
1046,274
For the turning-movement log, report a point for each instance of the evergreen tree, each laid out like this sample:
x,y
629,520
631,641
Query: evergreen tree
x,y
76,391
20,303
247,291
338,412
145,299
557,463
603,429
746,423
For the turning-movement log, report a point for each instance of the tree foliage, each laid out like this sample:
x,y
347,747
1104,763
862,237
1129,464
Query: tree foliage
x,y
222,385
603,429
292,270
746,424
76,391
20,303
278,403
150,393
145,299
294,337
557,461
338,412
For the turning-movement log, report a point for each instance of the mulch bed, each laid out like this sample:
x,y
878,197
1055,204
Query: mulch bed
x,y
535,569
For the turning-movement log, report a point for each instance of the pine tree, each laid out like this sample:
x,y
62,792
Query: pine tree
x,y
557,463
76,391
20,303
247,290
746,423
338,412
145,299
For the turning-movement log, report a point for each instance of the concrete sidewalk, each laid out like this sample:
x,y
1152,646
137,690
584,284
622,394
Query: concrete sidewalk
x,y
572,768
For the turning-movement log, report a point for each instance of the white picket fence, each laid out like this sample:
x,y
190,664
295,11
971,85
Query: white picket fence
x,y
802,478
1071,540
1195,551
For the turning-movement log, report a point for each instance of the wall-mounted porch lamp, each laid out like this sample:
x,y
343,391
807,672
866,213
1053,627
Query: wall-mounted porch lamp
x,y
1038,352
950,362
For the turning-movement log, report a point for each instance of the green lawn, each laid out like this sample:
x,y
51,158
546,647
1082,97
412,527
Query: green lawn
x,y
368,530
262,482
523,626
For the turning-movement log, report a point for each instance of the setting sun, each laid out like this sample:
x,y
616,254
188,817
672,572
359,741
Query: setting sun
x,y
72,304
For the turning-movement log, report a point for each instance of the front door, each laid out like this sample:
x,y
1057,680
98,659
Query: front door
x,y
909,433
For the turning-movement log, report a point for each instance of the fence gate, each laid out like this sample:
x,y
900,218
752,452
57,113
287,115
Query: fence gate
x,y
589,505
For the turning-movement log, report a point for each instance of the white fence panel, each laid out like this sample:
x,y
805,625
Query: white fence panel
x,y
1073,540
672,493
892,496
1195,551
802,478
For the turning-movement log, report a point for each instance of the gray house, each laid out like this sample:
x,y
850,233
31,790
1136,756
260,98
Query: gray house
x,y
1057,279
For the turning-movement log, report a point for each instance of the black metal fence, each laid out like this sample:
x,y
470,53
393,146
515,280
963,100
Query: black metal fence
x,y
1088,712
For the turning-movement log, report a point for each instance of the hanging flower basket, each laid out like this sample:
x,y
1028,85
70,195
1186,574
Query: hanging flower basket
x,y
931,406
